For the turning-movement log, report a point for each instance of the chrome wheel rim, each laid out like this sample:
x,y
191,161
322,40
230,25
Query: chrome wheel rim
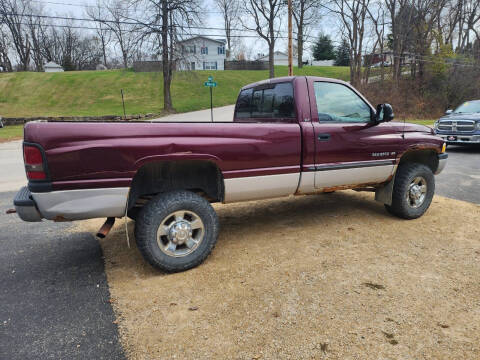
x,y
180,233
417,192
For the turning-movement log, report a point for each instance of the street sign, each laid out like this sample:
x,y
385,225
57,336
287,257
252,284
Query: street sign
x,y
210,84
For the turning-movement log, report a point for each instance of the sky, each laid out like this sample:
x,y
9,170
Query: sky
x,y
211,17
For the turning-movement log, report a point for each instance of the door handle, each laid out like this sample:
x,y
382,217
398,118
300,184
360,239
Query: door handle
x,y
323,137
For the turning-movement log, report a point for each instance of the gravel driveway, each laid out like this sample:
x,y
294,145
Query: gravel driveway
x,y
329,276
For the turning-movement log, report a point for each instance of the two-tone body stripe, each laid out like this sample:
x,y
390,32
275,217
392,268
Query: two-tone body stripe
x,y
351,165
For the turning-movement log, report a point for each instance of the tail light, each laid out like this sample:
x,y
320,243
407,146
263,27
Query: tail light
x,y
34,165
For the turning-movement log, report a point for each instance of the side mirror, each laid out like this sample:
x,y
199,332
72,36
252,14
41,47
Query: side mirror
x,y
384,113
448,112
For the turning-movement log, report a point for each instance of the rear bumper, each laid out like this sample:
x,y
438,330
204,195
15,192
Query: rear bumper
x,y
25,206
442,161
71,204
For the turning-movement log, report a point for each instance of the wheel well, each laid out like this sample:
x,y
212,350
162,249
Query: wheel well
x,y
203,177
426,157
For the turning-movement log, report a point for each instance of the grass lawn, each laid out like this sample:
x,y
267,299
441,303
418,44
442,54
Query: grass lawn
x,y
95,93
421,122
11,132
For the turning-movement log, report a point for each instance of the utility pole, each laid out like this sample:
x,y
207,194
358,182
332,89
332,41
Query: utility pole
x,y
290,47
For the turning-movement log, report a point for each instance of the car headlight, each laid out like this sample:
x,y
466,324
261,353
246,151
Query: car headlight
x,y
435,125
478,125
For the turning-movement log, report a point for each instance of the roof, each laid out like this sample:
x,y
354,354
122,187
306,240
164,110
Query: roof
x,y
51,64
221,41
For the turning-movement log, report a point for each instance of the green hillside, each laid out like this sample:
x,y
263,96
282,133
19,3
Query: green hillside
x,y
94,93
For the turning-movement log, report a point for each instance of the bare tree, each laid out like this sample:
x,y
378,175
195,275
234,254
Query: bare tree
x,y
163,23
230,11
116,18
52,46
353,15
426,15
447,23
378,18
305,13
265,15
5,62
470,18
401,17
12,15
102,32
37,31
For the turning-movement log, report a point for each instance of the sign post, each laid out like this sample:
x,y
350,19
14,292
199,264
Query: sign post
x,y
211,84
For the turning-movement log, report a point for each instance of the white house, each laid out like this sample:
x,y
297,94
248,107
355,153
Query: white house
x,y
322,62
52,67
279,58
201,53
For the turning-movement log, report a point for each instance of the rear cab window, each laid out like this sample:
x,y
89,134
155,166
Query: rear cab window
x,y
266,103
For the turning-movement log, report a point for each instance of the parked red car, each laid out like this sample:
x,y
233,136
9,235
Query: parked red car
x,y
289,136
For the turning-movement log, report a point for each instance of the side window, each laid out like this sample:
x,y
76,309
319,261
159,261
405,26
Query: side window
x,y
270,103
244,104
338,103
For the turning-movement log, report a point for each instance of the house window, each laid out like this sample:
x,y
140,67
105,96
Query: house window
x,y
221,50
189,49
204,50
209,65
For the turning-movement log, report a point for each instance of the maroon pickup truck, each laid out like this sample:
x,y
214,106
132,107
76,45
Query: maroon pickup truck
x,y
289,136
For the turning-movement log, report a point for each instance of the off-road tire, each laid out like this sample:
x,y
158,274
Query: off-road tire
x,y
149,220
405,174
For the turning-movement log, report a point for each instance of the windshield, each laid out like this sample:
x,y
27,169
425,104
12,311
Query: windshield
x,y
468,107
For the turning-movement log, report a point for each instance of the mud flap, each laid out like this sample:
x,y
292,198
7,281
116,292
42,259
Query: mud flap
x,y
384,194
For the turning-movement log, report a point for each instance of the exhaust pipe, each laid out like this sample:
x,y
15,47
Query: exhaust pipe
x,y
106,227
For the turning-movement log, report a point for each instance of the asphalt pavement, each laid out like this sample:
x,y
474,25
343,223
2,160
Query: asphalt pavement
x,y
12,172
220,114
54,297
461,177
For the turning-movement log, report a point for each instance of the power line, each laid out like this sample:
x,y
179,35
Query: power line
x,y
122,22
138,31
418,57
98,6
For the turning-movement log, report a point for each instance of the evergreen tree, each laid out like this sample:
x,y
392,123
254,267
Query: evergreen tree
x,y
342,55
323,48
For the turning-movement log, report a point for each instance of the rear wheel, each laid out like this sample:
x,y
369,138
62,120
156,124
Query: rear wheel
x,y
176,231
413,191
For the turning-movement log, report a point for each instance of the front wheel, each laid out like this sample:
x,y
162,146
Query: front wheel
x,y
413,191
176,231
